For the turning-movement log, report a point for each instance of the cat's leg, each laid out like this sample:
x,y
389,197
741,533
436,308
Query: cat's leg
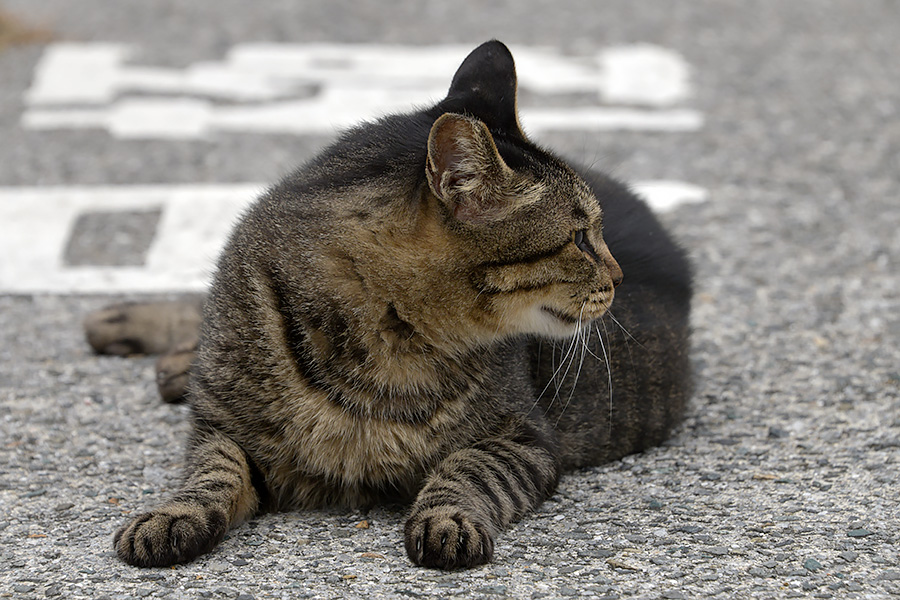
x,y
217,493
477,492
172,371
143,327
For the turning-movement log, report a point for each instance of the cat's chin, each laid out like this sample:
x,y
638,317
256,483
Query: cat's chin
x,y
551,322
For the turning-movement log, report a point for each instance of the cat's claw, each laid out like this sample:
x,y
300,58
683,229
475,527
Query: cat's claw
x,y
446,538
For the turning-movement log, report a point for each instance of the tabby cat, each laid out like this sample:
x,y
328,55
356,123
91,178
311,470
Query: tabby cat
x,y
422,314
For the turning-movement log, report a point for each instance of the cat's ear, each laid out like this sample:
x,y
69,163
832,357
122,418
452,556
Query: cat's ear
x,y
465,171
485,87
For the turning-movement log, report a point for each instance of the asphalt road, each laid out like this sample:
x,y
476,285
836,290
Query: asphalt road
x,y
784,479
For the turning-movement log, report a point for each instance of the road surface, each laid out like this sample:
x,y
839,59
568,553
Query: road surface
x,y
779,122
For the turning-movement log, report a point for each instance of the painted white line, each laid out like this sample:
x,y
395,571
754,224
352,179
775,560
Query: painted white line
x,y
190,118
610,119
35,224
321,88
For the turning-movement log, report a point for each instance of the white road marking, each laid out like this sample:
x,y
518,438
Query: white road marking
x,y
184,118
321,88
35,224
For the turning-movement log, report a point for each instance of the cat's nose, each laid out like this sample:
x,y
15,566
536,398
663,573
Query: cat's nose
x,y
615,271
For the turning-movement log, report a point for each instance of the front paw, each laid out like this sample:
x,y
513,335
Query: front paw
x,y
167,537
445,537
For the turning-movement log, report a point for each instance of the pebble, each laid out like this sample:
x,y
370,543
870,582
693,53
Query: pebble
x,y
218,566
859,532
811,564
492,589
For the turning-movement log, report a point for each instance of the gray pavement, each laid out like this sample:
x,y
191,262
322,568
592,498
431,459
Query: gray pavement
x,y
784,479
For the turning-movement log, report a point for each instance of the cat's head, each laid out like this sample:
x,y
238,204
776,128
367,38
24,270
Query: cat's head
x,y
529,225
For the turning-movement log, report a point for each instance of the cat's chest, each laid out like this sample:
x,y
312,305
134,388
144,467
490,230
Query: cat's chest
x,y
327,441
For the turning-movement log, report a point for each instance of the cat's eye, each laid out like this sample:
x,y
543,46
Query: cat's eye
x,y
584,244
578,238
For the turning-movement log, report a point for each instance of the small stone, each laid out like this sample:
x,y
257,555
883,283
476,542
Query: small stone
x,y
636,538
599,553
848,556
859,532
689,529
23,588
240,562
717,550
492,589
889,576
674,595
778,433
655,504
812,564
618,564
218,566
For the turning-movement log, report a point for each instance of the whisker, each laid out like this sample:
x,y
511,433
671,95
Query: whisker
x,y
556,369
622,327
582,334
608,360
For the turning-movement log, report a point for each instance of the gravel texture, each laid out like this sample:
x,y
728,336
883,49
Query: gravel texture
x,y
785,477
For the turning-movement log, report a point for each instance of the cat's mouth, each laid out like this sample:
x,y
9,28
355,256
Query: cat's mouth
x,y
564,317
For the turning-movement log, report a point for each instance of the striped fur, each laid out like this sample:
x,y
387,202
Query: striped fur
x,y
396,321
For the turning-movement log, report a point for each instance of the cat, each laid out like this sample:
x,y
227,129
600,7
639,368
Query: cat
x,y
422,314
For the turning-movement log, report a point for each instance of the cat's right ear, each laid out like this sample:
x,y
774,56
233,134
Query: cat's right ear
x,y
465,171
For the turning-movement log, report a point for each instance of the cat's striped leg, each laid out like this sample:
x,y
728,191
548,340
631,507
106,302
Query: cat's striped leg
x,y
475,493
217,493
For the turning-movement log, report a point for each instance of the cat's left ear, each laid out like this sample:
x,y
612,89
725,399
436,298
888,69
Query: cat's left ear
x,y
465,171
485,87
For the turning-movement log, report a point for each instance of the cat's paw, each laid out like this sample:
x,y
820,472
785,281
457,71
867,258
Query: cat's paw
x,y
172,371
166,537
142,327
445,537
